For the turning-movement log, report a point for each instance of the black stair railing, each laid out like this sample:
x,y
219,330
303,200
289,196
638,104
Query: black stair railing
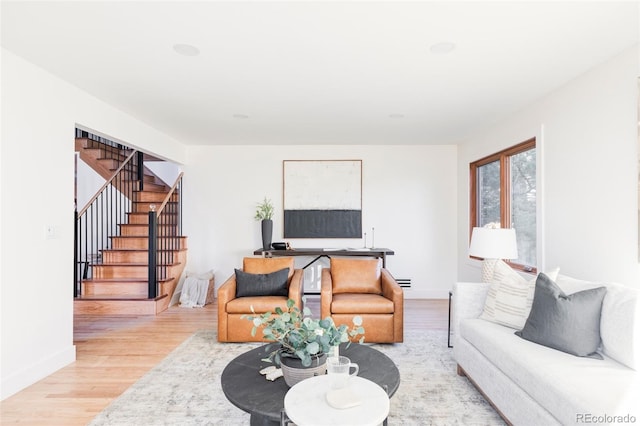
x,y
108,148
112,151
165,233
97,222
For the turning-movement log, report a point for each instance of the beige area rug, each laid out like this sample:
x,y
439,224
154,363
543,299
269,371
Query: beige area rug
x,y
184,389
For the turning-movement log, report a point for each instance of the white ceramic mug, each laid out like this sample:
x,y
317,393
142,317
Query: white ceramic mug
x,y
338,369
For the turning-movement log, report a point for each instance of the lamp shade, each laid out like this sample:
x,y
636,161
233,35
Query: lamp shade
x,y
494,243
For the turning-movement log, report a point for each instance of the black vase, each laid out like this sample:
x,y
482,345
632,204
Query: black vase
x,y
267,230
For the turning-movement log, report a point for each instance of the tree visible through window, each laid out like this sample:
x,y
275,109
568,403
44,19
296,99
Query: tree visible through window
x,y
489,193
503,191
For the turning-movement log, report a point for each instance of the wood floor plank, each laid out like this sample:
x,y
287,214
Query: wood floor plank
x,y
113,352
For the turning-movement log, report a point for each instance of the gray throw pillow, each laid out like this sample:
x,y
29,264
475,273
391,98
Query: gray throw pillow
x,y
273,284
567,323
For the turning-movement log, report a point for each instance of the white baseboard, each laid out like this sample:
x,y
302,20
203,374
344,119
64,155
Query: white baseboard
x,y
425,294
17,381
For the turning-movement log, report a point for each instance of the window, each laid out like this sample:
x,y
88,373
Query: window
x,y
503,191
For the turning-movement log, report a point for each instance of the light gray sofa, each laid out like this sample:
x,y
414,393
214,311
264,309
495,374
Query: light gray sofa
x,y
530,384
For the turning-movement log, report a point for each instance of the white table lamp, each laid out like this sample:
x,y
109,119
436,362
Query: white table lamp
x,y
491,244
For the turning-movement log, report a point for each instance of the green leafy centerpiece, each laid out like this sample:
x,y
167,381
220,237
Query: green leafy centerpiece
x,y
302,337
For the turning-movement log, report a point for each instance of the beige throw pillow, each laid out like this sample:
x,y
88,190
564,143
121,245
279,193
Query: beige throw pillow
x,y
510,296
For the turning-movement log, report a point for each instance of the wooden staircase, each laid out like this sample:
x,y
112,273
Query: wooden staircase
x,y
115,282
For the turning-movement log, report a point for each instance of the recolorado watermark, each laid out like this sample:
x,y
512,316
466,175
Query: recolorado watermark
x,y
605,418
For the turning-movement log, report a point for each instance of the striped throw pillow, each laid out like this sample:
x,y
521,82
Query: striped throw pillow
x,y
510,296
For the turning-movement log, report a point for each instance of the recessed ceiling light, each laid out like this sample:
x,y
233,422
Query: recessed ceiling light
x,y
186,50
442,48
240,116
396,116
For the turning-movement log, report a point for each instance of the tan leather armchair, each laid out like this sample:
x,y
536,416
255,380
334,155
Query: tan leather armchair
x,y
362,287
231,326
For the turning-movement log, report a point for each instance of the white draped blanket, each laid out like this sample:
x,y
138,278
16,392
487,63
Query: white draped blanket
x,y
195,290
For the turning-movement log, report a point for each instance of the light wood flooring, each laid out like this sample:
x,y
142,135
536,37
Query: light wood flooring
x,y
114,352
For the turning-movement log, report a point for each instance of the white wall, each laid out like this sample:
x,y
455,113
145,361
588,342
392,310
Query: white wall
x,y
39,114
587,135
409,196
165,170
88,182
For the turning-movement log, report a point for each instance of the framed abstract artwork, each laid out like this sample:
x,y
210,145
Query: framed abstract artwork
x,y
322,198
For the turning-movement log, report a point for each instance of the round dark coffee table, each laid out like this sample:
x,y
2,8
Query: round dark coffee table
x,y
247,389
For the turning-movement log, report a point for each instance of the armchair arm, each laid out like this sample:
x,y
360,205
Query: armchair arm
x,y
226,293
295,287
390,287
326,293
392,291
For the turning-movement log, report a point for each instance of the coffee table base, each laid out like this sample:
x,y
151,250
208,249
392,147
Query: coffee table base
x,y
258,420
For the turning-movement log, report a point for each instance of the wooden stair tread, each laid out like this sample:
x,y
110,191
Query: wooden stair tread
x,y
141,236
147,213
128,250
155,187
133,264
117,298
123,280
144,225
150,157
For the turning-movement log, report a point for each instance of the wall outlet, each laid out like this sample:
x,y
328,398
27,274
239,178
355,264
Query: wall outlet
x,y
50,232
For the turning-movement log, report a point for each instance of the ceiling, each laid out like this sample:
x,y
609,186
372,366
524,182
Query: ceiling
x,y
318,72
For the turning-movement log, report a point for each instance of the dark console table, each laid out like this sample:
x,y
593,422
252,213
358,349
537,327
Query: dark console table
x,y
323,252
247,389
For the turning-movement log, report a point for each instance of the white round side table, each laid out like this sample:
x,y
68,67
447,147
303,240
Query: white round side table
x,y
306,404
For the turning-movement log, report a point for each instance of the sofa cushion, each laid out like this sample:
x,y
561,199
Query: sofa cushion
x,y
568,323
563,384
362,303
620,319
356,275
260,304
510,296
620,325
272,284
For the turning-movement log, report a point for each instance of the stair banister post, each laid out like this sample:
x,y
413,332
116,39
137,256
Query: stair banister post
x,y
140,176
153,243
75,252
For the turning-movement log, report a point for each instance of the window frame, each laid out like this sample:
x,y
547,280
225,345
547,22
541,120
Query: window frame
x,y
503,157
